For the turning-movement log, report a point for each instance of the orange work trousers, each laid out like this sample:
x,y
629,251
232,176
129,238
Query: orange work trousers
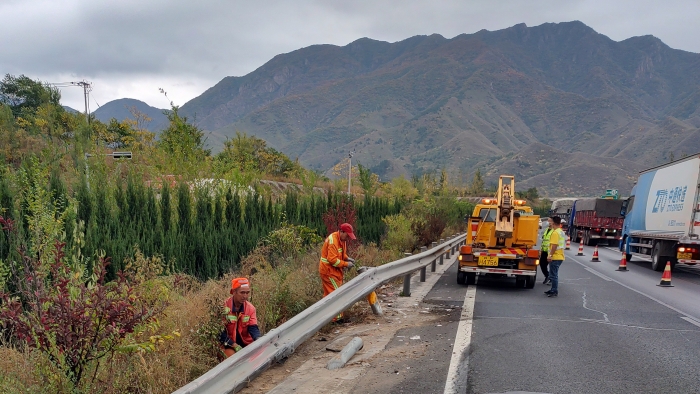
x,y
330,283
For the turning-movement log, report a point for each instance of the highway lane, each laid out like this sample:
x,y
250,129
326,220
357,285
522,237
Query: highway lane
x,y
684,296
597,336
608,331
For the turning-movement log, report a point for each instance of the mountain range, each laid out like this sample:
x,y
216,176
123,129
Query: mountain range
x,y
562,107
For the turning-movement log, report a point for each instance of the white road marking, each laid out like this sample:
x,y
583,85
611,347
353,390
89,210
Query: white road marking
x,y
590,321
598,274
639,292
691,321
459,363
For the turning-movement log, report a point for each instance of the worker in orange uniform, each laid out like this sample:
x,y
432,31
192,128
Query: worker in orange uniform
x,y
240,320
334,258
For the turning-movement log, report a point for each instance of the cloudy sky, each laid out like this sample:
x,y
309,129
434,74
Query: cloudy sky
x,y
130,48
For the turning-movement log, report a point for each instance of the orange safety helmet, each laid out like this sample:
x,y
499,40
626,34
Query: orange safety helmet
x,y
239,282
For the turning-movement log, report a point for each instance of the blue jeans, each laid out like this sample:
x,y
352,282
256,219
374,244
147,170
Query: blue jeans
x,y
554,274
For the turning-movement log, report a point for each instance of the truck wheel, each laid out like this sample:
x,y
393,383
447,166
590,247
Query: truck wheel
x,y
461,278
657,263
530,281
471,278
519,282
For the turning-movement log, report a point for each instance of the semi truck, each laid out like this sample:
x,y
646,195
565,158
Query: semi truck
x,y
596,220
501,239
662,214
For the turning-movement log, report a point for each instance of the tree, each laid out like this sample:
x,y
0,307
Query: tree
x,y
22,93
368,180
477,185
248,153
182,140
444,181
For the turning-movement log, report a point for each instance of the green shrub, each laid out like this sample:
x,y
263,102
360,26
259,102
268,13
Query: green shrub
x,y
399,235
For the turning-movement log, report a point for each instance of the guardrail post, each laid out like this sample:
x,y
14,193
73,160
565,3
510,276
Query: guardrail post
x,y
422,270
372,297
407,282
433,267
442,256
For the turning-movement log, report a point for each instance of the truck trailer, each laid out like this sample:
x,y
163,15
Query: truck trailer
x,y
662,214
596,220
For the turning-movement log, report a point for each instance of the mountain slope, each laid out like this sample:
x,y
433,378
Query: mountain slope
x,y
126,108
428,102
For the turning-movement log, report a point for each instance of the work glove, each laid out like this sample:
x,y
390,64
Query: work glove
x,y
350,264
350,259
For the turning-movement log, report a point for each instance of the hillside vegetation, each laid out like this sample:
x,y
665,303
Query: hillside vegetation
x,y
113,271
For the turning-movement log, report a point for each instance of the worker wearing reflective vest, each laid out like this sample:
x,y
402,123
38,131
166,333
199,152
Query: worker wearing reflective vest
x,y
544,250
334,257
240,320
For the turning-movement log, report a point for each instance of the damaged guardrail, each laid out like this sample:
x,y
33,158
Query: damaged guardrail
x,y
234,373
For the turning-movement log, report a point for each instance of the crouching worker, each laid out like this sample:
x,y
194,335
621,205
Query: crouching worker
x,y
241,323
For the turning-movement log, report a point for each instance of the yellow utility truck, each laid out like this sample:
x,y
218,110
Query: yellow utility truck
x,y
501,238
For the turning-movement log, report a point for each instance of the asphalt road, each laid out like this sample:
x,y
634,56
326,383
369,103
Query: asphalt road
x,y
606,332
422,352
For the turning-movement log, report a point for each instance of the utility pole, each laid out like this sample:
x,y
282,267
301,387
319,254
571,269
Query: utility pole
x,y
86,92
87,88
350,169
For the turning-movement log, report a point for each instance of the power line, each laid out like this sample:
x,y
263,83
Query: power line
x,y
87,88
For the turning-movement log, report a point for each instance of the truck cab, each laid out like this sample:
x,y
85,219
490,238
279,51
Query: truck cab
x,y
662,215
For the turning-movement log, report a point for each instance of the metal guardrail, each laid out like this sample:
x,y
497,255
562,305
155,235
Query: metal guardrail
x,y
233,374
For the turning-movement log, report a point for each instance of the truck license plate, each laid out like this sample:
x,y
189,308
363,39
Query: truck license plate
x,y
685,256
488,260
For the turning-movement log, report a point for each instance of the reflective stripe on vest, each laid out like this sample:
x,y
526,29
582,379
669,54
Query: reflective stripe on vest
x,y
562,239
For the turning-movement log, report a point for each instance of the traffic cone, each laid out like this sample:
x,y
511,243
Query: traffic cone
x,y
595,254
623,263
568,242
580,248
666,277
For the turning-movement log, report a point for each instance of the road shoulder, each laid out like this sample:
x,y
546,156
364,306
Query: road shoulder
x,y
305,371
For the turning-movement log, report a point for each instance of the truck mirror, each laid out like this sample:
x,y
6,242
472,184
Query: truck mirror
x,y
623,209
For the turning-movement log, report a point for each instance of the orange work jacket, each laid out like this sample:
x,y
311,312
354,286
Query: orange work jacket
x,y
334,256
239,321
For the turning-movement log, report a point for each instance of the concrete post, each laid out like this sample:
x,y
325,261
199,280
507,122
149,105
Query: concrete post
x,y
422,270
407,282
348,351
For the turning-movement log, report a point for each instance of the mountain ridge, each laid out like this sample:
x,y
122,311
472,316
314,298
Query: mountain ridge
x,y
470,102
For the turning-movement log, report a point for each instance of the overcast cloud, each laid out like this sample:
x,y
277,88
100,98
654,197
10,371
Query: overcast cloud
x,y
130,48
